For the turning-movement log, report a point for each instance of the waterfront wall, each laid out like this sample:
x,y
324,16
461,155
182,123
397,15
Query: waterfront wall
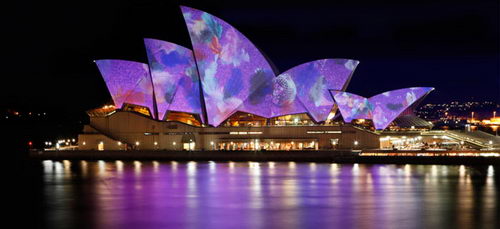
x,y
193,155
298,156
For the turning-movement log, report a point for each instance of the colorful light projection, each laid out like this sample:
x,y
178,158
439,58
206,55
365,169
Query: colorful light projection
x,y
382,108
127,82
230,66
352,106
315,78
301,89
259,101
276,97
237,77
175,77
388,105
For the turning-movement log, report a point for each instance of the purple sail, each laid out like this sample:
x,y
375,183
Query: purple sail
x,y
127,82
276,97
352,106
301,89
259,102
231,68
389,105
175,77
382,108
315,78
284,99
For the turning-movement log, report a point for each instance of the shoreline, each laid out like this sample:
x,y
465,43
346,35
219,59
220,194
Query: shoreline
x,y
262,156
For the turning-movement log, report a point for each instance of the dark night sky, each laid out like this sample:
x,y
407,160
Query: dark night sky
x,y
452,45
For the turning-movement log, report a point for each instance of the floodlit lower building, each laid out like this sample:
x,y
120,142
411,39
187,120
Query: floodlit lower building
x,y
226,95
130,130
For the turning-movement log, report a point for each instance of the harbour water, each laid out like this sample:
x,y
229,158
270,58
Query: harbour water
x,y
169,194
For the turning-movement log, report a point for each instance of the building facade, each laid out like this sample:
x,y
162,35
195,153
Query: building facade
x,y
125,130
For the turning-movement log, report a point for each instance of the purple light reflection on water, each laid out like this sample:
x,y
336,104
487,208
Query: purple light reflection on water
x,y
147,194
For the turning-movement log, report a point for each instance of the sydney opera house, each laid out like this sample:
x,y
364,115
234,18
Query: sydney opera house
x,y
224,94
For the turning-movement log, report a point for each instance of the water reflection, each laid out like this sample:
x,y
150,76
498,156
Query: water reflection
x,y
135,194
